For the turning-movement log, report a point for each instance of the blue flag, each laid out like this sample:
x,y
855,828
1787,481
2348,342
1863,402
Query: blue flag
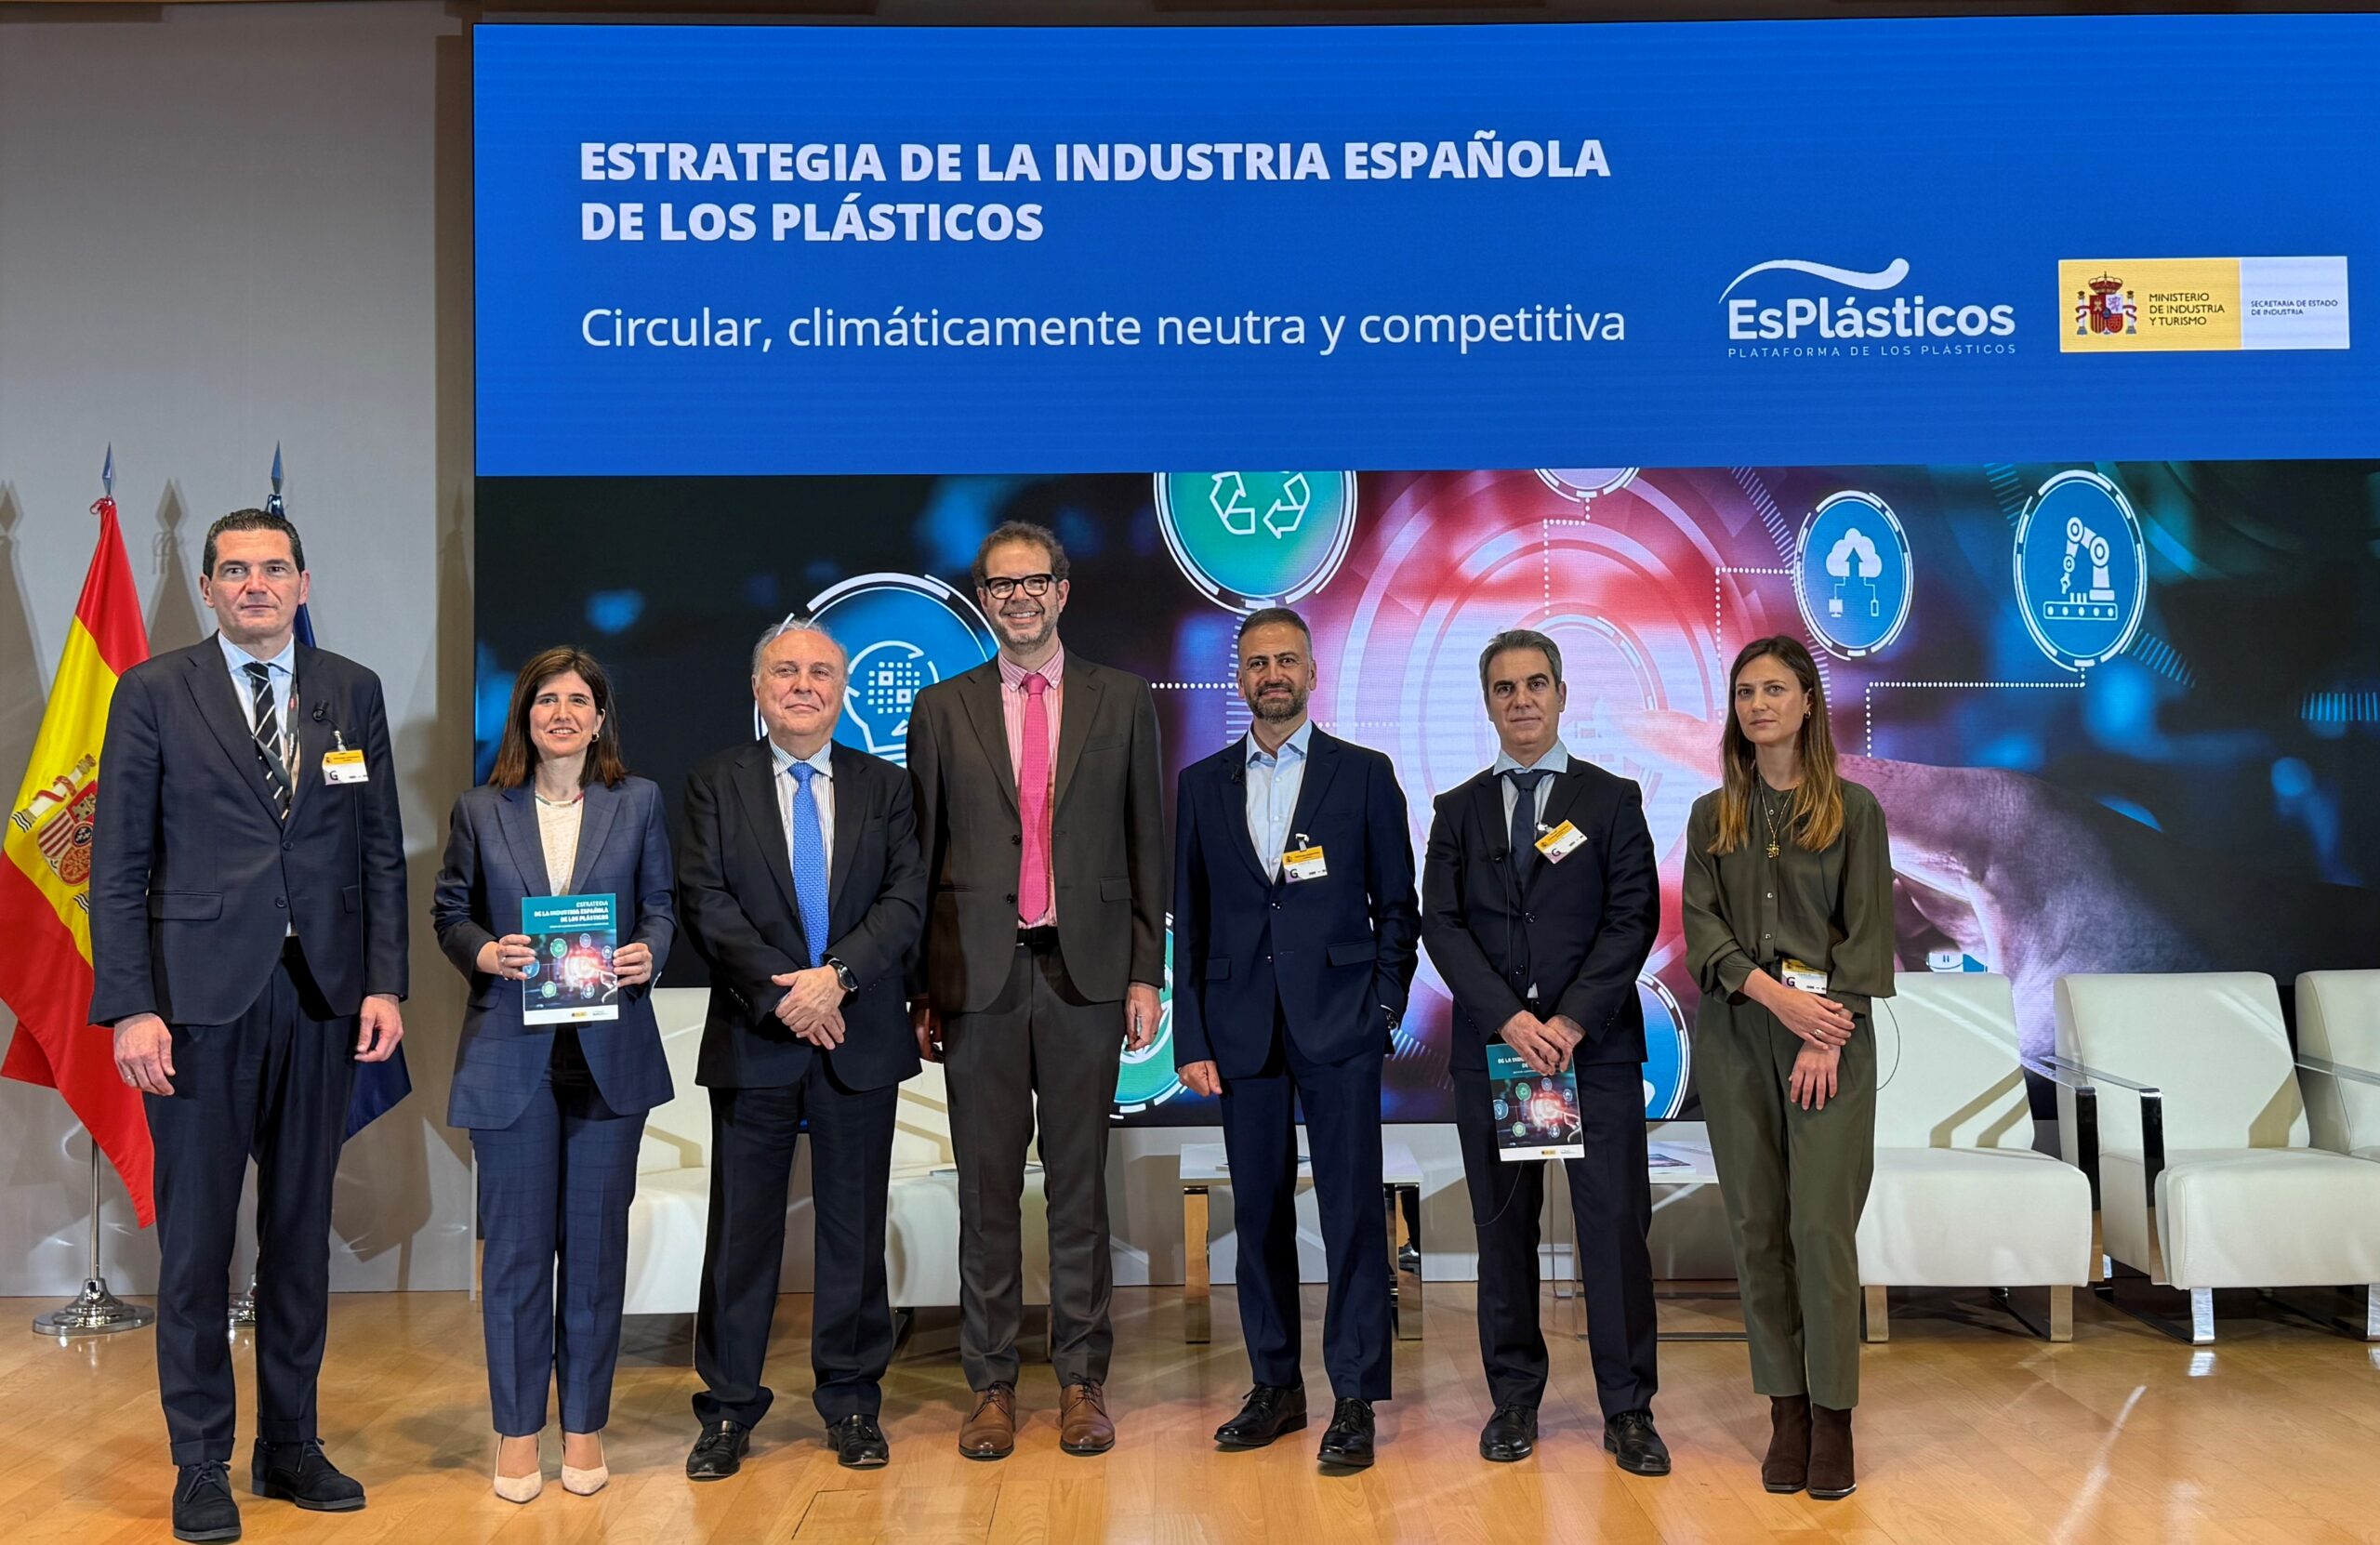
x,y
378,1085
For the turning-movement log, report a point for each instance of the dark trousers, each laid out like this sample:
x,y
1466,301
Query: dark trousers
x,y
1341,1105
1795,1182
753,1134
272,1083
1611,1203
1040,1038
554,1192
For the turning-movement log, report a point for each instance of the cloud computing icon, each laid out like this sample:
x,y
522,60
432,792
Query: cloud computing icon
x,y
1853,574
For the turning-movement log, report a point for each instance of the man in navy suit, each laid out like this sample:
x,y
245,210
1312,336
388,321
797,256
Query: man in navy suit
x,y
801,884
1539,906
1294,931
248,947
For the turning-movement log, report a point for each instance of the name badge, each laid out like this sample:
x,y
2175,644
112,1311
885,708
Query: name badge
x,y
345,766
1304,864
1561,842
1808,979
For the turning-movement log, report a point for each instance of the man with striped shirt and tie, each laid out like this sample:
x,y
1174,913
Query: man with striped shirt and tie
x,y
248,948
800,886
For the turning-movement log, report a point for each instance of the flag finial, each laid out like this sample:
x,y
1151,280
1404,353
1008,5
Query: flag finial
x,y
107,472
273,505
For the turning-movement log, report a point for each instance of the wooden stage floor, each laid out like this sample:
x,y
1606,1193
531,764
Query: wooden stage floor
x,y
1971,1431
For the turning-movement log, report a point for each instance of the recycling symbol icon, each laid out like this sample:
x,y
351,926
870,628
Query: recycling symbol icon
x,y
1238,512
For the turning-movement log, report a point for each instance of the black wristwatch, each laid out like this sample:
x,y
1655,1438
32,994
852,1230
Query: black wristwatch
x,y
843,975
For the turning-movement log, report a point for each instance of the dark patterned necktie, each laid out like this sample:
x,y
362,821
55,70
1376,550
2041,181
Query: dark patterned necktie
x,y
268,737
1525,784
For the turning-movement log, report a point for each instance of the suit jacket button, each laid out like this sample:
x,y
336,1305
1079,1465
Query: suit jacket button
x,y
1017,841
281,902
289,847
1528,916
1011,898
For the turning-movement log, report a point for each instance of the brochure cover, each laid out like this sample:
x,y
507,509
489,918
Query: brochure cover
x,y
572,980
1537,1117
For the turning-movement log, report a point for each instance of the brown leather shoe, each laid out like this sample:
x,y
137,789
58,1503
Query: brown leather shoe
x,y
1787,1469
1083,1424
990,1433
1832,1477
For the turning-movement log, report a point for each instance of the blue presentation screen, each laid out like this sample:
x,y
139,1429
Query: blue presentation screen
x,y
805,250
2011,363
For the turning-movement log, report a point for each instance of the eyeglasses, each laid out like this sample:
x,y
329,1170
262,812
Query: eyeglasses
x,y
1003,586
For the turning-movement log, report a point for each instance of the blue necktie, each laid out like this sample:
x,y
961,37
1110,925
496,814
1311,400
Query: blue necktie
x,y
1525,817
809,862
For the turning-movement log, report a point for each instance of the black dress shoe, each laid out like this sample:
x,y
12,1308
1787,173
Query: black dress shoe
x,y
1269,1411
718,1452
1348,1443
299,1472
203,1505
859,1442
1510,1436
1631,1436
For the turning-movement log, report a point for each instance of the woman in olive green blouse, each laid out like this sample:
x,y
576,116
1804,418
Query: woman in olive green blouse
x,y
1789,932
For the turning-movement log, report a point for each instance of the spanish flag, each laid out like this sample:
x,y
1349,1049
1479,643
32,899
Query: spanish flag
x,y
45,880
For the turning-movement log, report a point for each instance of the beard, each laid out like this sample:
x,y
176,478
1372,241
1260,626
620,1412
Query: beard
x,y
1024,634
1272,711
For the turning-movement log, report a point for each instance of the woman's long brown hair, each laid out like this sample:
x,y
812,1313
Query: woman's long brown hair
x,y
1816,820
516,760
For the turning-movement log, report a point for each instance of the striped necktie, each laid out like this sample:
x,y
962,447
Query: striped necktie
x,y
268,737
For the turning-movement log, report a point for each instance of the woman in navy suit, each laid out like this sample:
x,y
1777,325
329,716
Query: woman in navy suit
x,y
556,1111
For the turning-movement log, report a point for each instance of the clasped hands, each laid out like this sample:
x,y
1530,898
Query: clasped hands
x,y
1825,1029
1544,1044
812,1005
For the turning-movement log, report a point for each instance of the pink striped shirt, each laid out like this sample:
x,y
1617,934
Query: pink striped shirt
x,y
1013,700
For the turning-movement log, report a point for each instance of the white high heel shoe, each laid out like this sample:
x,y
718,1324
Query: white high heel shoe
x,y
583,1483
520,1488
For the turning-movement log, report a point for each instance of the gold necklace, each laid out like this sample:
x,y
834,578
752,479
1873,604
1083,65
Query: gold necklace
x,y
1769,813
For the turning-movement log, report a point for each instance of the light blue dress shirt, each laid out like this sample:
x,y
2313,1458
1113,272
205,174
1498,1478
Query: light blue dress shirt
x,y
1274,779
1555,761
822,788
283,668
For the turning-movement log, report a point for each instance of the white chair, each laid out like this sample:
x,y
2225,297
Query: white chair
x,y
2207,1177
670,1215
1960,1198
922,1230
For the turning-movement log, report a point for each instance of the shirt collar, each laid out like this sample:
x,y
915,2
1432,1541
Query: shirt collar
x,y
1301,743
823,759
1053,669
239,659
1556,759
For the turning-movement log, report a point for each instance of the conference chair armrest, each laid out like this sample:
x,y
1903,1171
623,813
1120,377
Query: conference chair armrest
x,y
2082,1079
2338,1070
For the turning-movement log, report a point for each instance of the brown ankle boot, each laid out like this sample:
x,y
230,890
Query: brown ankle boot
x,y
1788,1465
1831,1478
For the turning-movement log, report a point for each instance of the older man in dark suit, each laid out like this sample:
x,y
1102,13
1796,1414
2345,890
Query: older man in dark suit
x,y
1040,809
799,884
248,946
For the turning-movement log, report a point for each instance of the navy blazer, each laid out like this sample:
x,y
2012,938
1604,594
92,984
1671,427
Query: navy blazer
x,y
1335,954
196,878
736,892
495,858
1580,929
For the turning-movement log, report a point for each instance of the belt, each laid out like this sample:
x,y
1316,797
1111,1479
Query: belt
x,y
1039,940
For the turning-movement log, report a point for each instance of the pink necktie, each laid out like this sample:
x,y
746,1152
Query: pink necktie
x,y
1033,804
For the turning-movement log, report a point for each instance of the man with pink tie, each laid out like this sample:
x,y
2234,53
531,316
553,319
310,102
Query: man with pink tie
x,y
1040,810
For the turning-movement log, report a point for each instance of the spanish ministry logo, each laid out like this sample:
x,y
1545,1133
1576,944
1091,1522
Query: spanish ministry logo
x,y
1791,307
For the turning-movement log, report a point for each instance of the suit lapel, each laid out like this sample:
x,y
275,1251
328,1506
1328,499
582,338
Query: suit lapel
x,y
1233,796
305,679
595,818
516,811
1559,801
979,690
1082,707
219,704
850,813
1487,807
755,778
1321,766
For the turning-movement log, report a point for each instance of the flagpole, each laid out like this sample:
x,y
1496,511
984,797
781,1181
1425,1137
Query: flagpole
x,y
97,1310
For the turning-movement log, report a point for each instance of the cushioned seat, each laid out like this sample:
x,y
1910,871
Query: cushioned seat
x,y
1960,1197
2222,1148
